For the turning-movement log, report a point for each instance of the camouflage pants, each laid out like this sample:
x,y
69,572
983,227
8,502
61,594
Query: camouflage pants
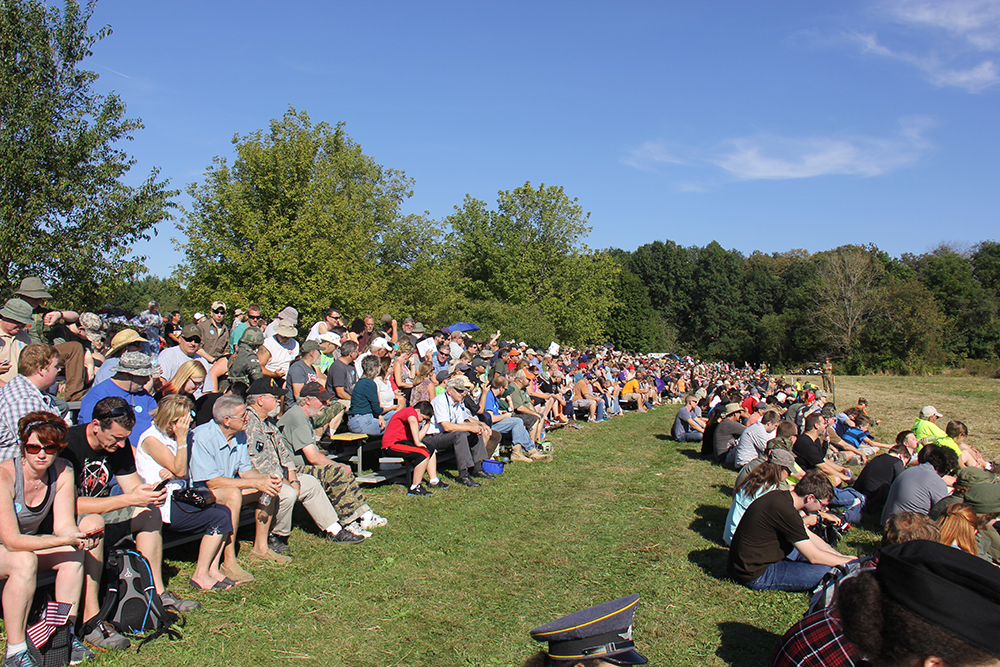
x,y
327,414
341,489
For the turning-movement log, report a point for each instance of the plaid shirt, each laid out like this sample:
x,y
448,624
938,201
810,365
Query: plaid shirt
x,y
817,641
17,398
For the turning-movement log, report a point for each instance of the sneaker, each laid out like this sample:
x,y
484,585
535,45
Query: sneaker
x,y
375,521
440,484
180,604
345,537
22,659
103,636
419,491
465,480
278,545
357,529
236,573
78,652
481,474
269,555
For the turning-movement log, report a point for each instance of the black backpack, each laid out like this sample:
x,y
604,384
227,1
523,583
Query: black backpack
x,y
131,603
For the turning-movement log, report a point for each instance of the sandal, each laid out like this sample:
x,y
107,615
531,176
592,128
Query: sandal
x,y
218,586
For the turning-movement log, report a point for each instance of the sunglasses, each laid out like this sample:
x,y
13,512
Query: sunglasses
x,y
51,450
111,414
219,310
255,317
194,339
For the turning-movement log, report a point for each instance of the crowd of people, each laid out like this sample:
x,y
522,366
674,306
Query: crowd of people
x,y
144,427
930,492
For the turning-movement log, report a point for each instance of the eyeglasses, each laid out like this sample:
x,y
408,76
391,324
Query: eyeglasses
x,y
335,317
219,310
255,317
194,339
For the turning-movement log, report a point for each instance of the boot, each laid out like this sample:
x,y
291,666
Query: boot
x,y
518,455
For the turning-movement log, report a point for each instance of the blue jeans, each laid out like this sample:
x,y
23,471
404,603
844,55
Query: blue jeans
x,y
692,436
844,498
518,434
367,424
794,573
600,411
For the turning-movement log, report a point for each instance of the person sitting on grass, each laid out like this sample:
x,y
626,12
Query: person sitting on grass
x,y
968,455
917,489
773,550
37,497
404,435
959,527
766,477
878,475
161,455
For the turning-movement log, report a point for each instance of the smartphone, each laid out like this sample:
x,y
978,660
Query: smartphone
x,y
159,487
94,533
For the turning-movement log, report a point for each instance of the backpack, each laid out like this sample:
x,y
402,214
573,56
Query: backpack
x,y
131,603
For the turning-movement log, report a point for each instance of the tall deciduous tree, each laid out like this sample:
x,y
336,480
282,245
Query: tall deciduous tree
x,y
845,293
530,250
303,217
65,214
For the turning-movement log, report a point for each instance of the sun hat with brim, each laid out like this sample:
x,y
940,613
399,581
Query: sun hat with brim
x,y
18,310
419,328
983,498
290,314
731,408
135,363
330,337
286,329
782,458
33,288
460,382
123,338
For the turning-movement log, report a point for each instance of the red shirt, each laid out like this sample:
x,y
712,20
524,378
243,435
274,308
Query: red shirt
x,y
398,429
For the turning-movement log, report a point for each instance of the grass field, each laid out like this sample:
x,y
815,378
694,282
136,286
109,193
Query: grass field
x,y
459,578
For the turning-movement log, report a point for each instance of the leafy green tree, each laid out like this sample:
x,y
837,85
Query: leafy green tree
x,y
665,268
633,324
846,294
530,250
65,214
303,217
135,296
905,332
986,266
721,326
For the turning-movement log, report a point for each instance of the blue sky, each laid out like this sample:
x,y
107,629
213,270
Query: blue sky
x,y
763,125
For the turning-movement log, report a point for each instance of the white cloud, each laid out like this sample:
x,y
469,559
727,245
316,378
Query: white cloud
x,y
771,157
650,155
977,22
974,79
970,28
776,158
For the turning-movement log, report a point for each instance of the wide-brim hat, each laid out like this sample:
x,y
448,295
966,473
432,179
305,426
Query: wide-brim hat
x,y
419,328
33,288
136,363
284,328
330,337
123,338
18,310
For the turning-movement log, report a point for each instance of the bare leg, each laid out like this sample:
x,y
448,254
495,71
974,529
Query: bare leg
x,y
208,559
147,526
19,568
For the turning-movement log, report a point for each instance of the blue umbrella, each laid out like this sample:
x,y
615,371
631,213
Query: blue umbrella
x,y
463,326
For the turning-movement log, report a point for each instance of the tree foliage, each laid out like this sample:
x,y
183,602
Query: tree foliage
x,y
303,217
65,213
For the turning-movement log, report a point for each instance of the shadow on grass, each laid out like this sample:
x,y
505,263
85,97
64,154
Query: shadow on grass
x,y
693,454
710,522
724,489
712,561
664,436
743,645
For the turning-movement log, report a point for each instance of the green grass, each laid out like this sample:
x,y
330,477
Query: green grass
x,y
460,578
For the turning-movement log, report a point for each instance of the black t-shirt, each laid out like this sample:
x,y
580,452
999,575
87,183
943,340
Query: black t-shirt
x,y
341,375
879,471
766,534
94,471
809,453
169,328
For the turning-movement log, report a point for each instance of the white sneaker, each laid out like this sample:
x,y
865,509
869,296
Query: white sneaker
x,y
357,529
375,521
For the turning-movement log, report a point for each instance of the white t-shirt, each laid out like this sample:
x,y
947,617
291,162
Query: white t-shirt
x,y
149,470
281,355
